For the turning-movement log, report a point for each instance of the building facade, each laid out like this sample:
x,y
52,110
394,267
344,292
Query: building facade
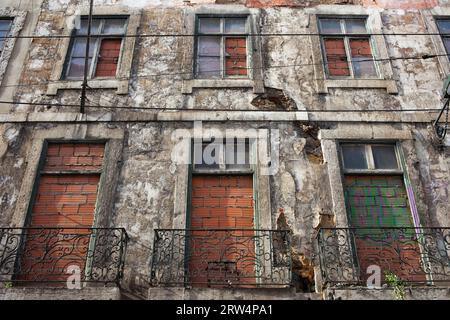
x,y
226,150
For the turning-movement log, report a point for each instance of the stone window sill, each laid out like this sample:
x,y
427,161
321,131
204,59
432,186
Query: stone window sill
x,y
389,85
189,85
120,85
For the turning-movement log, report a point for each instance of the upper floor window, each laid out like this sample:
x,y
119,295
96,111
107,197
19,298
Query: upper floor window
x,y
444,30
5,27
104,50
221,48
346,47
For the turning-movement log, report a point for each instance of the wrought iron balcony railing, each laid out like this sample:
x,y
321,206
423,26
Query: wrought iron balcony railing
x,y
418,256
52,255
221,258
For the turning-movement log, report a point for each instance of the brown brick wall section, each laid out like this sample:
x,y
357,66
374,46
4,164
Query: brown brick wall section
x,y
63,200
222,202
74,156
236,58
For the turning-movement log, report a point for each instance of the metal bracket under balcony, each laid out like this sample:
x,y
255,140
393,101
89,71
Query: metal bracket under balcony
x,y
52,255
417,256
242,258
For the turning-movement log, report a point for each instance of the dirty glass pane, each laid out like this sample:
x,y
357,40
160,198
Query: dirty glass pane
x,y
76,68
235,25
362,59
209,25
384,157
330,26
95,26
237,153
354,157
355,26
444,26
209,67
209,46
114,26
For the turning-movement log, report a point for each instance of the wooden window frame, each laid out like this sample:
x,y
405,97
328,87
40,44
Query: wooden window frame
x,y
347,37
371,170
98,40
223,36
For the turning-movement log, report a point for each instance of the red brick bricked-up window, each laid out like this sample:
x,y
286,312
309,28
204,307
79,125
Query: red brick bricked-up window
x,y
66,197
236,56
222,202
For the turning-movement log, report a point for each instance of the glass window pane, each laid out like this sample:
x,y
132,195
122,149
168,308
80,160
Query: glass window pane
x,y
208,67
237,154
355,26
209,25
384,157
354,157
114,26
76,68
330,26
447,44
209,46
79,48
363,64
235,25
207,154
443,26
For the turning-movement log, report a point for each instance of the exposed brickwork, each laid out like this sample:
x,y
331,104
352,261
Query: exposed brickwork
x,y
336,57
108,58
236,58
360,48
74,156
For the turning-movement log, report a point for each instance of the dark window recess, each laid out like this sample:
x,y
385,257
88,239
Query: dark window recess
x,y
104,51
347,49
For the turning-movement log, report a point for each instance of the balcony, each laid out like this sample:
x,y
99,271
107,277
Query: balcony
x,y
418,256
49,256
222,258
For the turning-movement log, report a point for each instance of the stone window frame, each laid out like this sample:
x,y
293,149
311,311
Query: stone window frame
x,y
18,21
379,46
121,82
256,77
430,17
331,143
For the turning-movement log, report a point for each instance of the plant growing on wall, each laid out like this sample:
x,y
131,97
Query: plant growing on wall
x,y
397,284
